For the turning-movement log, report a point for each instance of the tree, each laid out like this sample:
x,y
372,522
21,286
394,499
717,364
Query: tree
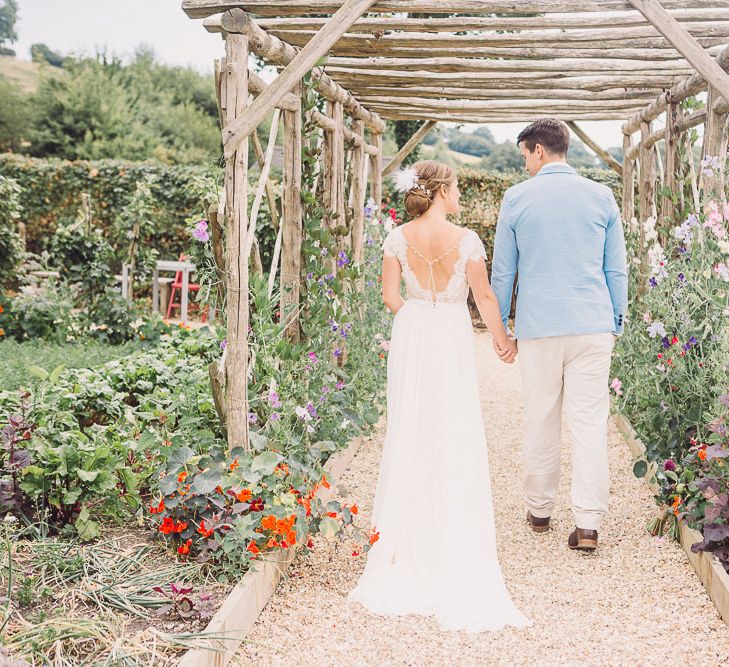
x,y
485,133
40,53
13,115
8,17
504,157
471,144
579,156
403,130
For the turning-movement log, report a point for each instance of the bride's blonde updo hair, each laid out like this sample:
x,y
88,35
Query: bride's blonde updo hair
x,y
431,176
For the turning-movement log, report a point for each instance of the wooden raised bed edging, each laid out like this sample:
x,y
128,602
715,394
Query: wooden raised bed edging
x,y
710,571
240,610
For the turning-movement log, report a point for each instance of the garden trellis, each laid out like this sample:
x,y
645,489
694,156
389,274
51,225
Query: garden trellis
x,y
474,61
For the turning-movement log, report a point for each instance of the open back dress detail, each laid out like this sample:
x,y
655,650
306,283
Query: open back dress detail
x,y
436,552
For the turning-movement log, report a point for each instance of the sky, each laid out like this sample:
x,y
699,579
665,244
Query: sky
x,y
120,26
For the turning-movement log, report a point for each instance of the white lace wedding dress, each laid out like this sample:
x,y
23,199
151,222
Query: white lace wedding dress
x,y
436,552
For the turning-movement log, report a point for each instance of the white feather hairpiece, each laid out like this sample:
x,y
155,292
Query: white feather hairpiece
x,y
405,179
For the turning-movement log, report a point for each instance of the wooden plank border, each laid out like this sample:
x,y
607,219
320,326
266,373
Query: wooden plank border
x,y
708,568
241,609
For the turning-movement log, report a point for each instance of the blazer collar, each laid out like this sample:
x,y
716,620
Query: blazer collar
x,y
556,168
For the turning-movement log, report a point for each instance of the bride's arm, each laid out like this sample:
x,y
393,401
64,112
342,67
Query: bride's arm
x,y
391,276
488,306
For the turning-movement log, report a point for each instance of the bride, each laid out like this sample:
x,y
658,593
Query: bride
x,y
436,552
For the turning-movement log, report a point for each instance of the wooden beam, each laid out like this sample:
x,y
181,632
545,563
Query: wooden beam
x,y
685,88
291,223
396,113
236,198
412,89
201,8
504,105
562,65
369,24
408,147
714,145
240,128
687,45
358,192
608,159
643,37
628,181
375,175
276,52
671,184
498,80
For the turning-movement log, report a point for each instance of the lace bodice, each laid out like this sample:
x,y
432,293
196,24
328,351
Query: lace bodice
x,y
452,260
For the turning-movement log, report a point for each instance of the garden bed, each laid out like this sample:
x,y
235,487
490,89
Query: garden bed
x,y
708,568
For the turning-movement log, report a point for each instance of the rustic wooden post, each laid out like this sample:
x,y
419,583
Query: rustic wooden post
x,y
236,190
715,145
338,175
291,221
647,184
358,194
376,173
674,113
608,159
628,180
409,147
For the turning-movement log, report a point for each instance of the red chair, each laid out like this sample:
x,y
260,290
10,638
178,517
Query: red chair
x,y
192,287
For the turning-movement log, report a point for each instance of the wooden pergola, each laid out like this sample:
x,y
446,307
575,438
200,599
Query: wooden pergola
x,y
474,61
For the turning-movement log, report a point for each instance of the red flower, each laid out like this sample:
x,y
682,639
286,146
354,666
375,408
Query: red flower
x,y
324,482
159,508
253,548
374,536
181,477
355,553
702,453
205,532
332,514
180,526
234,465
257,505
310,543
167,526
354,509
184,549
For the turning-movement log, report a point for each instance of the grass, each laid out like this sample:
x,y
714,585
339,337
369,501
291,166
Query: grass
x,y
20,72
16,358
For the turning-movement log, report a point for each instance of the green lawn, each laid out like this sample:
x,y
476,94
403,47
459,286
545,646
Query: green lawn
x,y
15,358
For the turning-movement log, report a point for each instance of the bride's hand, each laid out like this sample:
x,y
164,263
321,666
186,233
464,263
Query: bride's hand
x,y
508,353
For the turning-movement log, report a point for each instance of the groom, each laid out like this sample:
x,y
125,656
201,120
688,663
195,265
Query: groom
x,y
564,236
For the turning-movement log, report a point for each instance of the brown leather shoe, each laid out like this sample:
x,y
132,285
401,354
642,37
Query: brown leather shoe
x,y
538,524
581,538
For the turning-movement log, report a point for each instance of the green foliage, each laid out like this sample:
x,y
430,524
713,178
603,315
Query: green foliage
x,y
504,157
10,245
471,144
41,53
8,18
14,111
43,313
403,130
101,109
52,194
17,357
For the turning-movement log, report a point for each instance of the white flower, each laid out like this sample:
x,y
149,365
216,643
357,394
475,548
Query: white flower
x,y
344,424
137,323
405,179
650,229
656,329
303,413
722,271
657,261
309,428
387,224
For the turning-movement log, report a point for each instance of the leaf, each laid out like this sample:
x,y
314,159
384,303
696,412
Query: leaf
x,y
206,482
265,462
179,457
87,475
86,528
37,371
329,527
56,372
640,468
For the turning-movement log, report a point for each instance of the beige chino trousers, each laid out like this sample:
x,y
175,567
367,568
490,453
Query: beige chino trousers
x,y
569,373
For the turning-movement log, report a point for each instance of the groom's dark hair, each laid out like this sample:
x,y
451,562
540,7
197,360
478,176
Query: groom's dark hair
x,y
553,134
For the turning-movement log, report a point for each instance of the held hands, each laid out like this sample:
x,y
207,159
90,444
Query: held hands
x,y
508,353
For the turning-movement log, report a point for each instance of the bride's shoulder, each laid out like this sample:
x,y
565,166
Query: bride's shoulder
x,y
391,244
473,247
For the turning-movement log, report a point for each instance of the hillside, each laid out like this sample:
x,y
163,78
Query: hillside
x,y
20,72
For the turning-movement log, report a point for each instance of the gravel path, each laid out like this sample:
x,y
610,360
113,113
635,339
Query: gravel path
x,y
636,601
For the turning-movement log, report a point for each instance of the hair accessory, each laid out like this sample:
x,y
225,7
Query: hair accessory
x,y
405,179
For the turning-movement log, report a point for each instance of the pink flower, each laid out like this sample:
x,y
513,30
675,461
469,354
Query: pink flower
x,y
617,386
385,345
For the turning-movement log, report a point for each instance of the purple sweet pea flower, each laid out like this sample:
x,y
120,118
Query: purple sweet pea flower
x,y
669,465
313,357
653,282
274,416
223,343
252,418
340,385
337,352
342,259
274,399
201,231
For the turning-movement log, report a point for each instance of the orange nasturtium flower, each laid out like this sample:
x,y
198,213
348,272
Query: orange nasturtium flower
x,y
269,522
374,536
234,465
702,454
244,495
271,542
184,549
253,548
332,514
2,332
159,508
324,482
181,477
167,526
205,532
354,509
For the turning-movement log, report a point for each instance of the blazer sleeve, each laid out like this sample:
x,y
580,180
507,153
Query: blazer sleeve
x,y
504,264
615,266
